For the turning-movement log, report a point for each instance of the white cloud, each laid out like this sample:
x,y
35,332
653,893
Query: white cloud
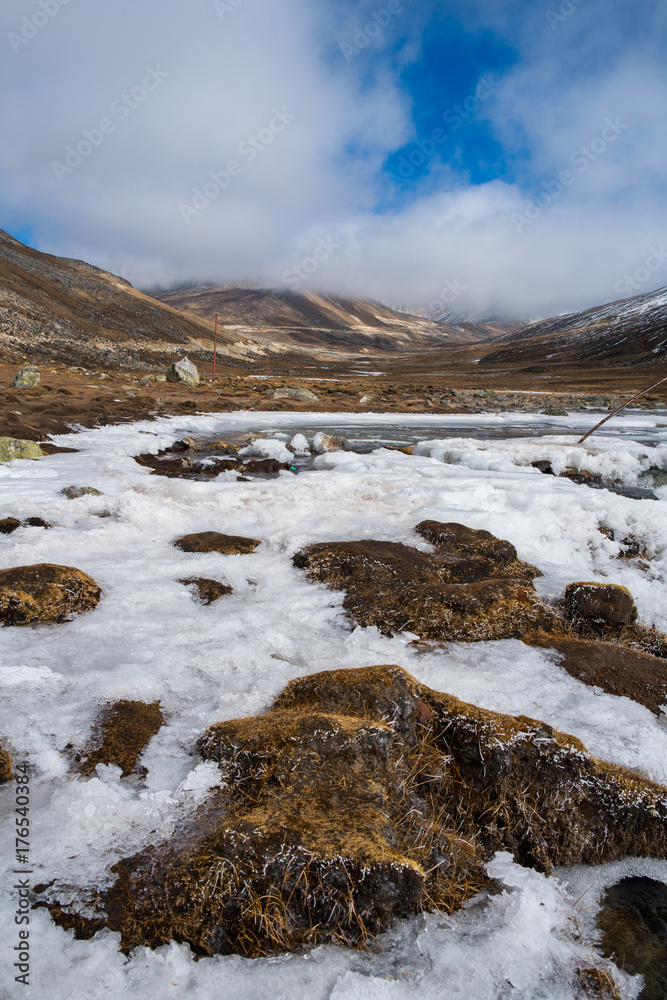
x,y
319,176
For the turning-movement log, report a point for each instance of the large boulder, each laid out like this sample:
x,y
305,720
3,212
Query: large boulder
x,y
360,797
11,448
401,589
323,443
184,372
45,593
26,378
299,394
214,541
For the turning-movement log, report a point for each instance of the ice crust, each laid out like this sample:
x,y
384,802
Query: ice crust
x,y
148,640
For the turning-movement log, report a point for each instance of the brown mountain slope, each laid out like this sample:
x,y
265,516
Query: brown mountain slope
x,y
320,323
67,310
629,332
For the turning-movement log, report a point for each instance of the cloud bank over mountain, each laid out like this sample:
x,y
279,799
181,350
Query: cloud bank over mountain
x,y
504,161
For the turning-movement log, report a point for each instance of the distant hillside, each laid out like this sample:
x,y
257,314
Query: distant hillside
x,y
53,307
624,333
312,321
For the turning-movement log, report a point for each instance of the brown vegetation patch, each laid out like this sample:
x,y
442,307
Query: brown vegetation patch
x,y
363,796
45,593
207,590
472,553
213,541
617,669
633,919
398,589
119,736
5,766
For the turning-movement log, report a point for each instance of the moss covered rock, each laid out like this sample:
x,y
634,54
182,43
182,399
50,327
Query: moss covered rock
x,y
45,593
11,448
27,377
184,372
363,796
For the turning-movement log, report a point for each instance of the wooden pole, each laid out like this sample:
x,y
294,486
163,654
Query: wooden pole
x,y
215,344
618,409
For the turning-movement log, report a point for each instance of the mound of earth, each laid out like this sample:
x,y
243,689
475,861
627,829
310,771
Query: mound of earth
x,y
474,588
214,541
45,593
207,591
119,736
5,766
363,796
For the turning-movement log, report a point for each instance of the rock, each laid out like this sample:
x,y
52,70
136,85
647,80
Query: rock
x,y
544,467
36,522
183,371
9,524
27,377
6,764
11,448
472,553
323,443
160,378
287,392
45,593
400,589
633,921
213,541
119,736
206,590
270,466
601,602
360,797
555,411
146,380
75,492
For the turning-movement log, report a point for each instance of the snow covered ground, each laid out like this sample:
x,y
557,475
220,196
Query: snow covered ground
x,y
149,640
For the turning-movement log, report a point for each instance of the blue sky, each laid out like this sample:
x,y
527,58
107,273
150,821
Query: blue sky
x,y
511,150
